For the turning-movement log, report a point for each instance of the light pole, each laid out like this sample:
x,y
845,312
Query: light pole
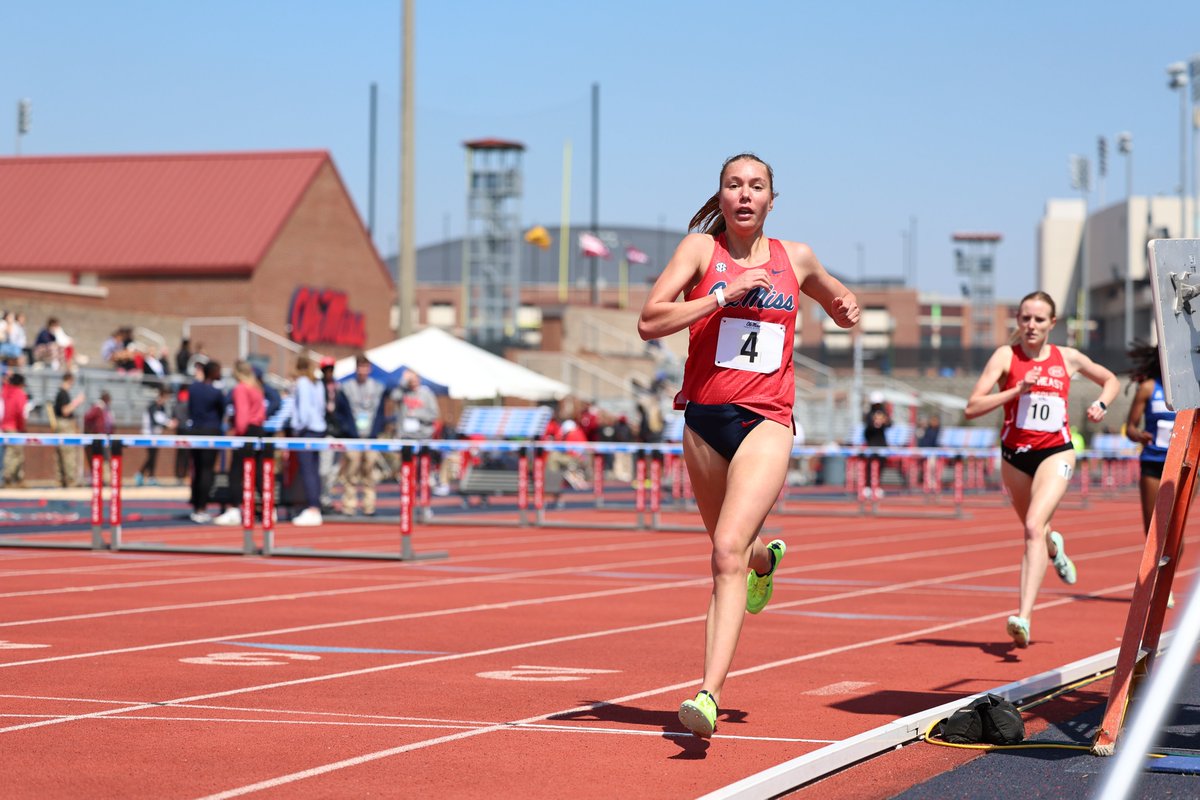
x,y
24,112
1125,148
1194,71
1179,80
1081,180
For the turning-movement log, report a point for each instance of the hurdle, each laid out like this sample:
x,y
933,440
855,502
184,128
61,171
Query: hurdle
x,y
249,449
860,494
518,482
645,509
96,447
408,484
117,444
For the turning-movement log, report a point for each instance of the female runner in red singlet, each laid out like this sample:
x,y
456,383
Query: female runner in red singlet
x,y
741,295
1034,379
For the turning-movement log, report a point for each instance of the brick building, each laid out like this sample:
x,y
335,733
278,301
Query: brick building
x,y
163,241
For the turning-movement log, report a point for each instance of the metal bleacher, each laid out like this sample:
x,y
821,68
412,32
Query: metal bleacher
x,y
505,422
968,437
1111,445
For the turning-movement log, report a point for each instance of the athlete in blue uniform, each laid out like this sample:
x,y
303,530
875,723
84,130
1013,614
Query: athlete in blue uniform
x,y
1150,422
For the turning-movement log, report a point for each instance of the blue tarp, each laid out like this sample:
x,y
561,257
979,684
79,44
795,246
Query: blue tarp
x,y
392,379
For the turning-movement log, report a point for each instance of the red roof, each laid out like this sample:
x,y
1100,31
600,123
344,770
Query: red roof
x,y
493,144
209,212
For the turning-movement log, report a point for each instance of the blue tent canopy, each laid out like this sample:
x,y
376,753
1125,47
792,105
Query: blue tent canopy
x,y
392,379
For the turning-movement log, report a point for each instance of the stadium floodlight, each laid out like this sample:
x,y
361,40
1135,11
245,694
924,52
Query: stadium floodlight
x,y
24,116
1177,71
1080,171
1125,148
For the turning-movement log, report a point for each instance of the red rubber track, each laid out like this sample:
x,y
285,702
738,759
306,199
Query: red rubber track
x,y
543,662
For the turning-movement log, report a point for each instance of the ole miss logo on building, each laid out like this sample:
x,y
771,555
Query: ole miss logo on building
x,y
321,316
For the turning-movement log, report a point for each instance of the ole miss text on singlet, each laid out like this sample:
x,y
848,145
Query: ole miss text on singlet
x,y
742,353
1037,419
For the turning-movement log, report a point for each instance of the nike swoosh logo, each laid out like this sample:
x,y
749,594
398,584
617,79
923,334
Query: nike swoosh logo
x,y
749,422
776,272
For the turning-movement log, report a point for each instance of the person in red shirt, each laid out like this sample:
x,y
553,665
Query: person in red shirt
x,y
1032,379
249,414
13,421
740,300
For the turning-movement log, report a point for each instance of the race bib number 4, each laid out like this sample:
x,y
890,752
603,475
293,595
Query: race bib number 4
x,y
1041,412
749,345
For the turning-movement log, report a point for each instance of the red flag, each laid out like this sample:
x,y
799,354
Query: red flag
x,y
592,246
635,256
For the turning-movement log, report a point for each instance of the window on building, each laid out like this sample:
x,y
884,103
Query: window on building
x,y
441,315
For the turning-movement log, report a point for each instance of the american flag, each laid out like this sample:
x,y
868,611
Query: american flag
x,y
592,246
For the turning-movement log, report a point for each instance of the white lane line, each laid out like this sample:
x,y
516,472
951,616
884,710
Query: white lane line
x,y
505,555
86,589
533,601
417,583
325,593
575,638
312,772
541,727
108,566
536,726
249,709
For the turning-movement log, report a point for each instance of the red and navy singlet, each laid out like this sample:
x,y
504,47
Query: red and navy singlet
x,y
742,353
1037,420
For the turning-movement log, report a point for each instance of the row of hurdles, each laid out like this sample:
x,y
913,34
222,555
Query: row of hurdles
x,y
925,481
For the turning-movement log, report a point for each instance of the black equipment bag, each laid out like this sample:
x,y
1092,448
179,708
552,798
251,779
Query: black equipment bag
x,y
990,719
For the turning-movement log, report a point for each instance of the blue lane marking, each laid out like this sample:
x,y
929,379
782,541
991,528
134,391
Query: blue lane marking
x,y
831,615
659,576
828,582
304,648
452,568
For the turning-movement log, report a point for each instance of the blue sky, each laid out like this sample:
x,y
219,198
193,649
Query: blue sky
x,y
961,115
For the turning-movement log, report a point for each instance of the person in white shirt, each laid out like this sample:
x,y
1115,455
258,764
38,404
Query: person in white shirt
x,y
308,421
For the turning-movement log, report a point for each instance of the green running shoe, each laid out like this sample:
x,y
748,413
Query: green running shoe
x,y
699,715
1064,566
1018,629
759,588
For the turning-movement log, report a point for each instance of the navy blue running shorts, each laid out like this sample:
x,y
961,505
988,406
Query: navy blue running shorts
x,y
1153,469
722,426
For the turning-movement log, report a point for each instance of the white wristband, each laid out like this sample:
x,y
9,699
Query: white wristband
x,y
720,295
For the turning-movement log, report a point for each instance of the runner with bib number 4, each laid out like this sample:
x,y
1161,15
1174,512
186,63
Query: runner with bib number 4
x,y
1033,381
741,294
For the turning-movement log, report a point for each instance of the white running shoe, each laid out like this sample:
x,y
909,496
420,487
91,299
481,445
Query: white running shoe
x,y
309,517
231,516
1064,566
1018,629
201,518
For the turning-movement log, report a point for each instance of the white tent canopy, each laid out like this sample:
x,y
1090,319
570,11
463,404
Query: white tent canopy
x,y
469,372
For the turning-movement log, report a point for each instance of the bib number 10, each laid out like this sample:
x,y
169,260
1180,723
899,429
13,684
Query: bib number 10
x,y
1041,412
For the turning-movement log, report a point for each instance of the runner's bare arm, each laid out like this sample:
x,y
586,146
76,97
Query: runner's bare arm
x,y
816,282
1135,428
983,399
1096,373
663,312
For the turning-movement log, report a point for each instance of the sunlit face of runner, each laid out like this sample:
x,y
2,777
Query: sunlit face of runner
x,y
1034,321
746,194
